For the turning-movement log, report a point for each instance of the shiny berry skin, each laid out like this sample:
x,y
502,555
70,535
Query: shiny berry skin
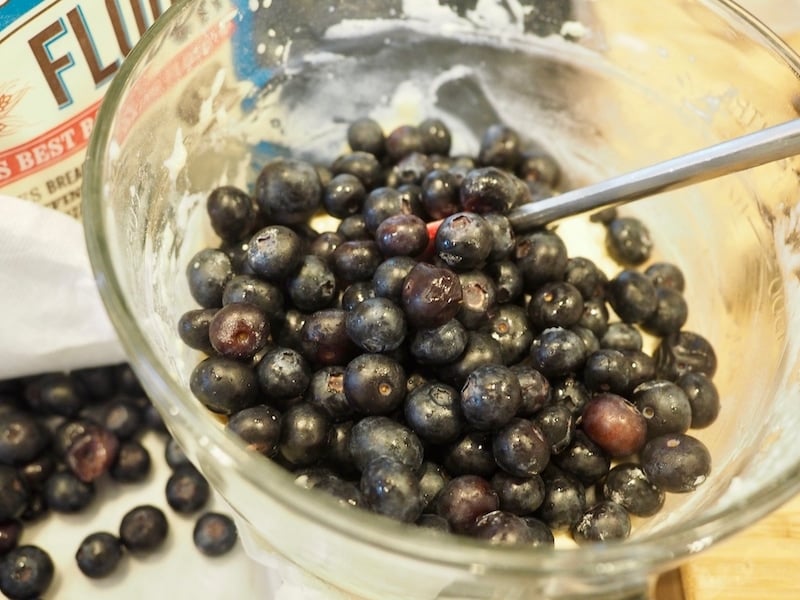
x,y
207,273
143,529
666,275
479,299
22,438
356,260
557,352
520,448
377,325
628,241
274,252
355,293
187,491
584,459
676,462
541,257
432,478
231,212
555,304
325,392
214,534
664,405
224,385
488,190
623,337
607,370
344,196
366,135
259,427
594,317
642,368
535,389
632,296
518,495
288,191
324,338
501,527
614,424
324,245
313,285
503,239
670,314
481,350
409,170
471,455
684,352
464,241
402,235
431,296
65,493
541,534
540,167
238,331
250,289
433,411
570,392
353,228
585,275
440,194
283,373
627,485
304,434
507,280
387,281
436,136
14,494
10,534
361,164
132,464
557,424
464,499
491,397
703,398
510,327
402,141
564,499
440,345
500,147
374,384
26,573
604,522
391,488
99,554
373,437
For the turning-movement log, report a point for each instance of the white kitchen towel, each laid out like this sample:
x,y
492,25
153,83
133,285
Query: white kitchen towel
x,y
51,315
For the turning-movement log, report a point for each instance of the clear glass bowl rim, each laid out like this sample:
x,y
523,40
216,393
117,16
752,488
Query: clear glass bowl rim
x,y
667,545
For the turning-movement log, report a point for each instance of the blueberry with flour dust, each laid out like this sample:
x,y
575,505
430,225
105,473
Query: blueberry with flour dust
x,y
665,406
628,485
502,527
604,522
676,462
274,252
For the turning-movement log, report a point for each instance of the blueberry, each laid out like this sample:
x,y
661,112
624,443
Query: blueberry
x,y
642,368
353,228
510,327
61,394
346,493
231,212
541,534
507,280
570,392
283,373
433,411
623,337
187,491
464,241
432,479
540,167
355,293
607,370
377,325
440,345
595,318
374,384
10,534
585,275
324,245
541,257
360,164
440,194
557,424
703,398
464,499
274,252
99,554
391,488
664,405
374,437
224,385
503,239
628,241
500,147
402,235
535,389
366,135
614,424
491,397
670,314
14,494
65,493
404,140
388,278
22,438
489,190
143,529
356,260
605,521
288,191
628,485
564,499
409,170
471,455
676,462
207,273
557,352
584,459
91,454
304,434
518,495
590,342
338,450
26,573
174,454
36,472
555,304
326,393
313,285
433,523
132,464
122,417
431,296
324,338
666,275
684,352
481,350
214,534
632,296
501,527
436,136
520,448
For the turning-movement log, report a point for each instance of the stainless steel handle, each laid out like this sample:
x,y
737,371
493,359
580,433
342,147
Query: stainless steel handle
x,y
738,154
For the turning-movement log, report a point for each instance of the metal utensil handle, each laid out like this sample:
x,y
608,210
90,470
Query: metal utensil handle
x,y
738,154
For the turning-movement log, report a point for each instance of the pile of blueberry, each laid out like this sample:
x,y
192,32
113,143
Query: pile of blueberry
x,y
428,363
65,436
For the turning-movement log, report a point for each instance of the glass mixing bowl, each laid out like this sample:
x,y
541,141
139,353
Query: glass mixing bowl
x,y
216,88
